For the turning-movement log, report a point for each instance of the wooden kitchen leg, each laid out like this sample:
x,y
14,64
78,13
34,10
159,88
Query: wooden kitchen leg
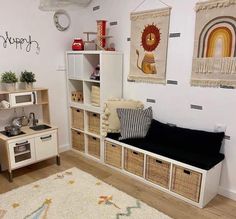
x,y
10,176
58,160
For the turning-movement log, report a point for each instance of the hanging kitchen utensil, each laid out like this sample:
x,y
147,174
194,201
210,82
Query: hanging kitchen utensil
x,y
24,118
16,121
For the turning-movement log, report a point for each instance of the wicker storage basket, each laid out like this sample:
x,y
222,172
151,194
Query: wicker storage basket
x,y
95,95
134,162
78,140
113,153
158,171
94,146
94,123
77,118
186,183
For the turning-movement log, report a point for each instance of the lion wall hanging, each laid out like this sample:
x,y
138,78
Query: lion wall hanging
x,y
149,42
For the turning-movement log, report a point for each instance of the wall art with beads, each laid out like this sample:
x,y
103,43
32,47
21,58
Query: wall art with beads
x,y
149,43
214,58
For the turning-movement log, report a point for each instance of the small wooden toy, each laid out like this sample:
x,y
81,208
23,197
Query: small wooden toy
x,y
77,96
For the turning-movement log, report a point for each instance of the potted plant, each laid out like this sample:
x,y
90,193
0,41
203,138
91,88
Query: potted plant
x,y
28,78
9,79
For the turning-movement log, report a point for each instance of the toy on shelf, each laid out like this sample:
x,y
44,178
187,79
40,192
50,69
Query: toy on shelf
x,y
96,73
101,33
78,44
101,41
77,96
95,95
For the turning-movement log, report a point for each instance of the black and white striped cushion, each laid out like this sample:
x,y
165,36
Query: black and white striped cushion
x,y
134,123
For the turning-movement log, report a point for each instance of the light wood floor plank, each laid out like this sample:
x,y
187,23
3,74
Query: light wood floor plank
x,y
219,207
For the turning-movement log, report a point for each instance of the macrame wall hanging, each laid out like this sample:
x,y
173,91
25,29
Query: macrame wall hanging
x,y
149,43
214,59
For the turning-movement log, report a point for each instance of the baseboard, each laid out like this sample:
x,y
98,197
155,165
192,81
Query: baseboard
x,y
227,193
63,148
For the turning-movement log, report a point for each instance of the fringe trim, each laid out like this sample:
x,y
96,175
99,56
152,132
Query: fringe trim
x,y
212,4
214,66
213,83
133,78
150,14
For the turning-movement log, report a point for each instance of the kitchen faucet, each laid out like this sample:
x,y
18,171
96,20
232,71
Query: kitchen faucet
x,y
34,121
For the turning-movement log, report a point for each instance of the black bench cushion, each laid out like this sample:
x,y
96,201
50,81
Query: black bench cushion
x,y
197,141
203,161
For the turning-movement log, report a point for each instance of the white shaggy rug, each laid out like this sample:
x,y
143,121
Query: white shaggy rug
x,y
73,194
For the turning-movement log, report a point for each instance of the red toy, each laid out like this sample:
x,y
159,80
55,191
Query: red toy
x,y
78,44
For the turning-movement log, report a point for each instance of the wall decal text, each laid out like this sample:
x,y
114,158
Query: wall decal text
x,y
22,43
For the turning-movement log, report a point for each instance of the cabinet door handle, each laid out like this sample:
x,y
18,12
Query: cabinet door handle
x,y
94,114
25,142
78,111
46,137
114,146
136,153
34,98
159,161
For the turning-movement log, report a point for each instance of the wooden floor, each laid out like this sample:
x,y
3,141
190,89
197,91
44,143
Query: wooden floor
x,y
219,207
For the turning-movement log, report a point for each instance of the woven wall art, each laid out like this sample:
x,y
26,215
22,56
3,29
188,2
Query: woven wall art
x,y
149,42
214,59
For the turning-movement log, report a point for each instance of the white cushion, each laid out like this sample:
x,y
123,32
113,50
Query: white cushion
x,y
111,122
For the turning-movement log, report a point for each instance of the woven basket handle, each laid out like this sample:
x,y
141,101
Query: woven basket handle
x,y
187,172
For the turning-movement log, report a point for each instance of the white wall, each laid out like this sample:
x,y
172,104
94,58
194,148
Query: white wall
x,y
21,19
173,102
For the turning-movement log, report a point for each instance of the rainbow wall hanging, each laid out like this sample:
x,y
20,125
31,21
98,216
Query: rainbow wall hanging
x,y
214,59
149,42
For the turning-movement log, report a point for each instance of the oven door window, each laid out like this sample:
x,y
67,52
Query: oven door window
x,y
22,152
23,99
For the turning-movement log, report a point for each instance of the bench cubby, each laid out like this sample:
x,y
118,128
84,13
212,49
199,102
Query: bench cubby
x,y
134,162
113,154
158,171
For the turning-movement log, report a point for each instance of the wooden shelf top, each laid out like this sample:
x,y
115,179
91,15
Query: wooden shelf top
x,y
22,90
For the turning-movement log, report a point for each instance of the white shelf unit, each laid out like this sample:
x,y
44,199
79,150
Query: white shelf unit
x,y
80,65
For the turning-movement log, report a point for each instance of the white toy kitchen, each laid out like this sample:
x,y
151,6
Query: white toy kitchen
x,y
26,135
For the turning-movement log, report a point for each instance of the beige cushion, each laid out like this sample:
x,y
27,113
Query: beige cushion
x,y
111,122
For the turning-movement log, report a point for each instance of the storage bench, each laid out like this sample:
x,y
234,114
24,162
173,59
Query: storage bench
x,y
185,163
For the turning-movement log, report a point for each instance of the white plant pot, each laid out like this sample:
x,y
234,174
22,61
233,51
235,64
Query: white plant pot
x,y
29,86
10,86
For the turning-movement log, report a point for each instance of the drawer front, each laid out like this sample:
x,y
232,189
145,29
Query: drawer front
x,y
94,123
78,140
46,145
186,183
21,152
158,171
94,146
77,118
134,162
113,154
